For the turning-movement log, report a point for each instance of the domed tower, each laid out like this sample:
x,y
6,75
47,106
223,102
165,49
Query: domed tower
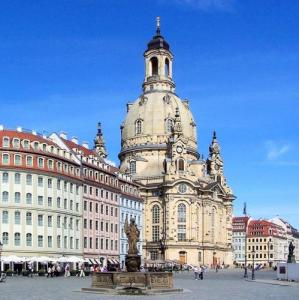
x,y
188,205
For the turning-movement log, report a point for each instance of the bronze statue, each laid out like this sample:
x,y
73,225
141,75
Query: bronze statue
x,y
133,234
291,249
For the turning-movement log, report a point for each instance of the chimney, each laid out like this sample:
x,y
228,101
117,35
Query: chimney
x,y
75,140
19,129
85,145
1,127
63,135
34,132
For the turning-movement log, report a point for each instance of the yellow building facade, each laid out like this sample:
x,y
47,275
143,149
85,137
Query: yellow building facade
x,y
188,204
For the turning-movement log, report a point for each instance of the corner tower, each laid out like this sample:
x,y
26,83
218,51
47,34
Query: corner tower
x,y
187,203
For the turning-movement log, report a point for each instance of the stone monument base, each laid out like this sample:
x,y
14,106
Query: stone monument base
x,y
291,259
132,283
286,271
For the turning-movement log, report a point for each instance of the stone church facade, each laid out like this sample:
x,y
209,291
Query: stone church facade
x,y
188,203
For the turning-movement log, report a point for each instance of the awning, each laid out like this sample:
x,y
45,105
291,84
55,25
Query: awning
x,y
98,261
92,261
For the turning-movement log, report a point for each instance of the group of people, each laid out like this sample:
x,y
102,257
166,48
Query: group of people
x,y
54,270
198,272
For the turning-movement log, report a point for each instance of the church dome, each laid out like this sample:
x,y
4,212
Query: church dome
x,y
151,117
157,42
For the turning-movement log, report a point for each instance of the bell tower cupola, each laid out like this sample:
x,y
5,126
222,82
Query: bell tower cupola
x,y
158,64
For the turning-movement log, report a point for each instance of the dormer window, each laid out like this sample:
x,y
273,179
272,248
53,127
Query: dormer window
x,y
5,142
16,143
26,144
138,126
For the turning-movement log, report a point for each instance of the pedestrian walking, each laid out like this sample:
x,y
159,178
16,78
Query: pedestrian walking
x,y
67,271
82,273
49,272
195,270
200,272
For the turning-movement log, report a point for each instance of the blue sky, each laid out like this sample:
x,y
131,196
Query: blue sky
x,y
67,64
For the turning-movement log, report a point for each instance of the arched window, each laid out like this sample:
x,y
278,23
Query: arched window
x,y
138,126
5,142
5,238
181,165
169,125
29,179
133,167
28,198
17,178
16,143
154,65
5,159
156,221
17,197
17,217
58,241
28,218
213,224
5,196
5,177
29,160
182,213
17,239
18,160
5,217
40,241
166,67
28,239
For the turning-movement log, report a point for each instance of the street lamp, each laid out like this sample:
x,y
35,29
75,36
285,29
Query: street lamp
x,y
245,262
252,274
1,247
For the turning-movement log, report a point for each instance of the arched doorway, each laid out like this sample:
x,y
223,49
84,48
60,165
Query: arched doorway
x,y
182,257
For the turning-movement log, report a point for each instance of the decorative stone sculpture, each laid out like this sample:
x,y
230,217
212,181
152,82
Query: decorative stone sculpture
x,y
133,260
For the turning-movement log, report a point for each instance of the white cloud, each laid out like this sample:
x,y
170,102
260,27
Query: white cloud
x,y
275,150
208,5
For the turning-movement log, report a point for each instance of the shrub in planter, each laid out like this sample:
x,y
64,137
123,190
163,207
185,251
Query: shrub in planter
x,y
9,272
25,272
41,272
74,272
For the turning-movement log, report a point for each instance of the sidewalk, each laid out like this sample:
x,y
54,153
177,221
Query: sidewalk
x,y
276,282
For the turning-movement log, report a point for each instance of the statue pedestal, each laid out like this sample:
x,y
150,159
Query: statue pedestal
x,y
132,283
133,262
291,259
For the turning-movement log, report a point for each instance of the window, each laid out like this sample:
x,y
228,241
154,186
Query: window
x,y
18,160
28,198
90,242
16,143
169,125
40,200
5,142
181,232
111,211
65,242
133,167
28,218
17,178
4,196
58,241
58,221
17,197
107,210
85,223
5,159
154,255
26,144
90,206
107,241
17,217
181,166
28,239
166,67
5,217
49,221
90,224
213,224
155,233
17,239
40,220
156,214
50,164
49,183
5,238
138,126
40,162
40,241
154,66
182,213
58,202
29,179
49,201
40,181
5,177
29,160
49,241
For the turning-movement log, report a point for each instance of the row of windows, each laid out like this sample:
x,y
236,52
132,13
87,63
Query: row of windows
x,y
99,192
102,244
95,224
130,203
40,182
60,221
258,240
40,201
41,162
35,145
40,240
95,207
169,123
260,255
256,248
126,216
109,180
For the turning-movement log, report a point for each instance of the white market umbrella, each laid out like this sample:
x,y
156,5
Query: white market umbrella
x,y
74,259
11,258
62,259
43,259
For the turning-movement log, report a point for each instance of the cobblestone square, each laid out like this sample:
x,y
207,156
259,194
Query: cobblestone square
x,y
226,284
